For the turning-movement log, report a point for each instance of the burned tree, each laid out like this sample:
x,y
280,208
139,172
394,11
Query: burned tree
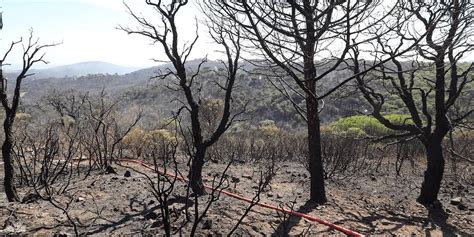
x,y
430,81
104,130
166,35
302,39
32,54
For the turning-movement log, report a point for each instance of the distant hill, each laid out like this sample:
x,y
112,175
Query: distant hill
x,y
158,100
82,69
192,66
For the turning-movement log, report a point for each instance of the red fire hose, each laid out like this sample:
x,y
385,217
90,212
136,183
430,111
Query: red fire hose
x,y
291,212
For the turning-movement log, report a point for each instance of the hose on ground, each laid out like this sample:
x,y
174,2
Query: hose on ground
x,y
238,197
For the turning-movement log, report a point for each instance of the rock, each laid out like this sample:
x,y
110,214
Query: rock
x,y
247,177
80,199
127,174
235,180
456,201
269,194
462,207
279,196
114,178
151,215
110,170
30,198
207,225
151,202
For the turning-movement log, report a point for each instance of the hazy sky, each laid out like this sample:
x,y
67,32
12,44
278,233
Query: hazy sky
x,y
87,30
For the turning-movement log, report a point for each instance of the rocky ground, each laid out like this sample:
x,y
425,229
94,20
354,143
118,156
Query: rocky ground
x,y
373,204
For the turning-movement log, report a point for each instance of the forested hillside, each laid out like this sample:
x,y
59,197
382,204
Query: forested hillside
x,y
142,89
265,102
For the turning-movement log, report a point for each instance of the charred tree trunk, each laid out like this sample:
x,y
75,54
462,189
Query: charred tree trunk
x,y
434,150
31,50
225,34
7,147
433,174
195,173
317,192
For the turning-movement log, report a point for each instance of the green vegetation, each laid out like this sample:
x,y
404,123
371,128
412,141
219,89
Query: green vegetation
x,y
263,100
268,128
364,125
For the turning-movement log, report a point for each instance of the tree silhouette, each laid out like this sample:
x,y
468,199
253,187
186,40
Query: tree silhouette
x,y
305,41
32,54
445,33
166,35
